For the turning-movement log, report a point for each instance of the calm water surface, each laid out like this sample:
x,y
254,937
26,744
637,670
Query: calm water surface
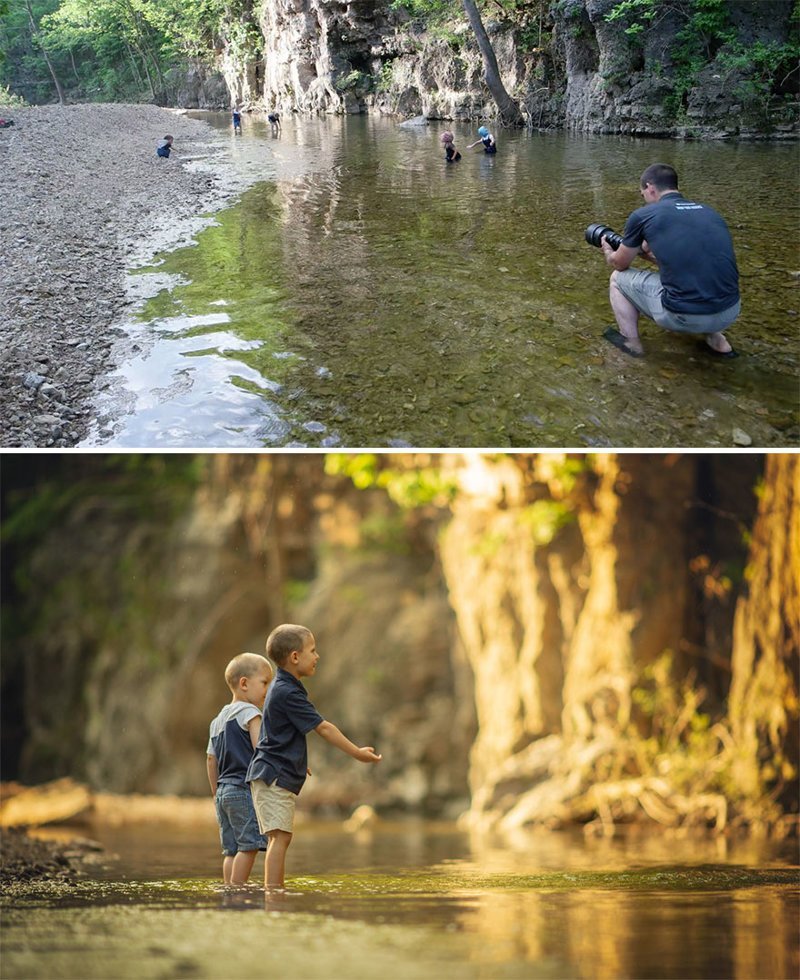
x,y
366,294
417,901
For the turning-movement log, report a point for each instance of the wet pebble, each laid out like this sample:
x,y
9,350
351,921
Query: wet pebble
x,y
741,438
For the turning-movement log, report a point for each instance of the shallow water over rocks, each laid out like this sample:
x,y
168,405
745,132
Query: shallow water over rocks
x,y
367,294
415,900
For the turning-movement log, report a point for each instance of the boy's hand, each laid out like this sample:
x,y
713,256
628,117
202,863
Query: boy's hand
x,y
367,754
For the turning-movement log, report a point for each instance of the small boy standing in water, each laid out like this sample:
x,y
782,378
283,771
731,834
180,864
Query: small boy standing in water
x,y
485,137
233,736
451,154
280,763
237,120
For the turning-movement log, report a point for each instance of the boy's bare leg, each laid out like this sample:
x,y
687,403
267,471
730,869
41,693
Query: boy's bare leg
x,y
227,868
242,866
275,863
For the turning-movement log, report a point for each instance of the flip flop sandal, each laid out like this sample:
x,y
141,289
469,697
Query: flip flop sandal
x,y
614,337
716,353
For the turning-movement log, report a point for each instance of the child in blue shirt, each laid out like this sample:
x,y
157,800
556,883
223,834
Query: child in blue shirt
x,y
233,735
164,147
485,137
280,763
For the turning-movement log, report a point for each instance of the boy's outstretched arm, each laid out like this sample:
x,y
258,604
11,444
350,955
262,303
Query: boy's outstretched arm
x,y
331,734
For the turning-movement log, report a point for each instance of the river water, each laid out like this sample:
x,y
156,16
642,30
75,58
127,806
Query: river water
x,y
367,294
415,901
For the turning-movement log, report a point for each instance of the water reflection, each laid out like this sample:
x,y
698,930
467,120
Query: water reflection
x,y
418,900
427,305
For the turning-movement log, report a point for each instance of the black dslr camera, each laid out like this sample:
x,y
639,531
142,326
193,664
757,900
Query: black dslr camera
x,y
594,233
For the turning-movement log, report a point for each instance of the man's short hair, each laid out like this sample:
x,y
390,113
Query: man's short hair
x,y
243,665
661,176
283,639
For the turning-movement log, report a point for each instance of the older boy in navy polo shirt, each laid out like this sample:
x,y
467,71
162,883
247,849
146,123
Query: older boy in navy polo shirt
x,y
280,763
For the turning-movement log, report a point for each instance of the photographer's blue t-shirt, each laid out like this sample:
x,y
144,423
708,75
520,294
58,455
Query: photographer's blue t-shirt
x,y
694,250
281,753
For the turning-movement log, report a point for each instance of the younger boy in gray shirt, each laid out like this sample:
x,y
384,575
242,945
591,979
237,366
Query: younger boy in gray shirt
x,y
233,735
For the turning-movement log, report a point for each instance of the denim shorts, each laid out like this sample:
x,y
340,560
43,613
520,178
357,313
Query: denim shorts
x,y
643,288
238,828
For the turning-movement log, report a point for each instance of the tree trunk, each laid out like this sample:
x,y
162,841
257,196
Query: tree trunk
x,y
37,38
763,701
134,66
510,113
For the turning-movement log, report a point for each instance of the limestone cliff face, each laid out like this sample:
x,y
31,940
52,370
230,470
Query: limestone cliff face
x,y
569,68
618,85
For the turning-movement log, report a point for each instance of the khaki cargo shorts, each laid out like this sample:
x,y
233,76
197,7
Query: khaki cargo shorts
x,y
274,806
643,288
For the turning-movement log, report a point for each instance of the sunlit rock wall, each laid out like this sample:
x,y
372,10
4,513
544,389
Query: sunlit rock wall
x,y
565,586
571,69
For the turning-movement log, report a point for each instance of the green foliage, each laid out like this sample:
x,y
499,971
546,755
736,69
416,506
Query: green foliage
x,y
427,10
386,533
107,49
677,740
545,518
137,486
386,77
708,36
296,591
7,97
353,80
408,487
635,14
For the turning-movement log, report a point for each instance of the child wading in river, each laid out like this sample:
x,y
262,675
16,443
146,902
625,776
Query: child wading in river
x,y
485,137
233,736
280,764
451,154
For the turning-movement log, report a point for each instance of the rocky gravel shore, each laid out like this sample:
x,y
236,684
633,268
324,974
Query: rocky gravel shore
x,y
83,194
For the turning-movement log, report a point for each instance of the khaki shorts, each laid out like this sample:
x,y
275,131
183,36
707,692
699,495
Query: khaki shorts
x,y
643,288
274,806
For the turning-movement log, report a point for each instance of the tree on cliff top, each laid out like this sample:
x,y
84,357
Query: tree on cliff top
x,y
510,113
439,11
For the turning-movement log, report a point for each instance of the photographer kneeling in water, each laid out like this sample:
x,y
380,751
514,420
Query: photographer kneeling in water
x,y
696,288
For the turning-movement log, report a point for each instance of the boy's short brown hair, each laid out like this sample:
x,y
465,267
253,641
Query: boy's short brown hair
x,y
244,665
285,638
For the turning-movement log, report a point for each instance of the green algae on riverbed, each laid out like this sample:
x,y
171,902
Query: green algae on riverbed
x,y
442,923
408,883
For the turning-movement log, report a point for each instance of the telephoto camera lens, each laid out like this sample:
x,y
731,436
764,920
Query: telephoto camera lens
x,y
594,233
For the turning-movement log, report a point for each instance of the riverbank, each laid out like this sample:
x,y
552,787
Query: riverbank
x,y
84,197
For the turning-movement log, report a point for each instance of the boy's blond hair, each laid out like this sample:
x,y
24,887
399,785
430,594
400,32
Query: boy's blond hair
x,y
244,665
285,638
